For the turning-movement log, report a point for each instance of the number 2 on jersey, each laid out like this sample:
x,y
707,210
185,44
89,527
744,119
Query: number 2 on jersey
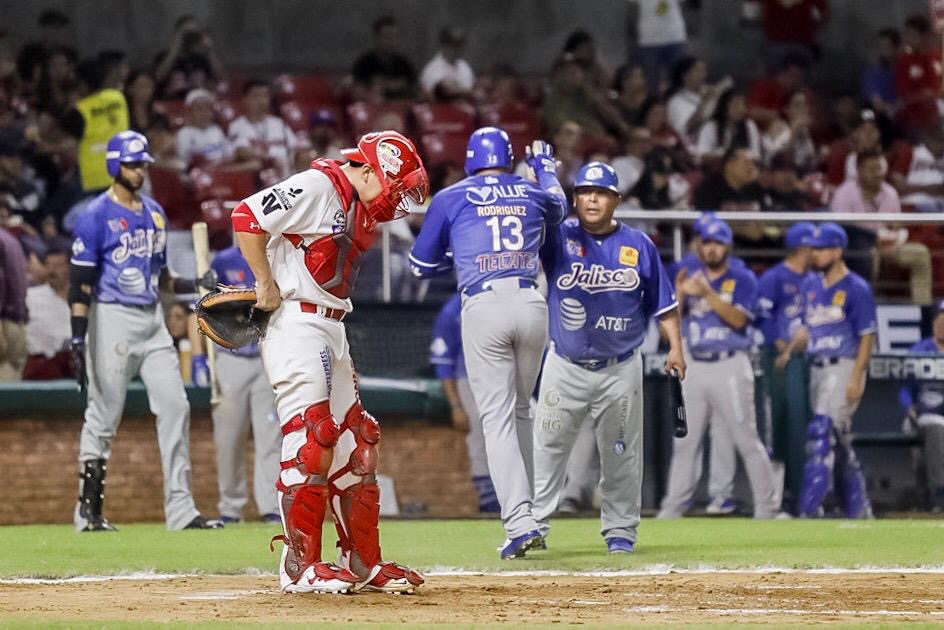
x,y
514,239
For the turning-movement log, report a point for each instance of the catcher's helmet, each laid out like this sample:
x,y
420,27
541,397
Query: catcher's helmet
x,y
597,175
397,163
127,146
489,147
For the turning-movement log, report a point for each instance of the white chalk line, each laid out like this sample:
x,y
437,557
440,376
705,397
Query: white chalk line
x,y
651,570
785,611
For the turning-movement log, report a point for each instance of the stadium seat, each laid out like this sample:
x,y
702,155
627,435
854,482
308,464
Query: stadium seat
x,y
223,184
443,149
366,117
311,90
521,121
444,119
171,190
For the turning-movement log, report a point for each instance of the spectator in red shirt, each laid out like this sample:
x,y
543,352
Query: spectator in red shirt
x,y
918,76
790,27
768,96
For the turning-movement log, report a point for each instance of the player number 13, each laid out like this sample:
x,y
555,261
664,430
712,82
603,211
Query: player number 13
x,y
513,240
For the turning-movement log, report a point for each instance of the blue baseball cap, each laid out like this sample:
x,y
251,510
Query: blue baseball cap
x,y
597,175
718,231
829,235
702,222
800,235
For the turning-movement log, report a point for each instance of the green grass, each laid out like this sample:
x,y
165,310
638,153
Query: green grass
x,y
575,545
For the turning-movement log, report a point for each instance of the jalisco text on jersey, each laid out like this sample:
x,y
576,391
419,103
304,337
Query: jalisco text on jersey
x,y
598,278
506,260
143,243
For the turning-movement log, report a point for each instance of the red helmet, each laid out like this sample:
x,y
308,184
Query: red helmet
x,y
400,169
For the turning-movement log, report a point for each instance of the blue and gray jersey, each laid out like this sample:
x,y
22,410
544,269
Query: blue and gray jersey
x,y
127,246
494,225
780,303
837,316
704,330
602,290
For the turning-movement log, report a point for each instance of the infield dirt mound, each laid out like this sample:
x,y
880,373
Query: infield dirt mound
x,y
673,598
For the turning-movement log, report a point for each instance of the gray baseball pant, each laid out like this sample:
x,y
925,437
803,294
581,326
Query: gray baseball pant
x,y
504,331
246,399
124,341
719,392
609,399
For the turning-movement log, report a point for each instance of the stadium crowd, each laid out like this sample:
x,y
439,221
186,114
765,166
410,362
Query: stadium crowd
x,y
681,135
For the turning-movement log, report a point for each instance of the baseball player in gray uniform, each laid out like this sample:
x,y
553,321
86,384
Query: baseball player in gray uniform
x,y
494,222
605,281
246,399
717,308
118,265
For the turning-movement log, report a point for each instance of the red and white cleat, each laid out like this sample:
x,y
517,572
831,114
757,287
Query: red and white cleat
x,y
323,577
390,577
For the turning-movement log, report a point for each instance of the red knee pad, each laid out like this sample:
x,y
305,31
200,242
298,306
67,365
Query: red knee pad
x,y
314,457
304,508
366,431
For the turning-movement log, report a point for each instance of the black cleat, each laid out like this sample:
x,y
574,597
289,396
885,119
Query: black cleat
x,y
199,522
99,524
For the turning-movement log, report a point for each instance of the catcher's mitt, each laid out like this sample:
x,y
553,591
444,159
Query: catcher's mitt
x,y
227,317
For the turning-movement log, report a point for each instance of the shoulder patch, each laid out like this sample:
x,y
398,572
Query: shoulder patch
x,y
728,285
839,298
629,256
158,220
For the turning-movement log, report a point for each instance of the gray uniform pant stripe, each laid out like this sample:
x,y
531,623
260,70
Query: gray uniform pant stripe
x,y
610,400
246,400
720,392
503,336
124,342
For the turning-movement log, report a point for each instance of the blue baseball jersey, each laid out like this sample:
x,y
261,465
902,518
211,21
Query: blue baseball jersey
x,y
232,269
445,352
602,290
494,225
704,330
780,303
927,397
127,246
837,316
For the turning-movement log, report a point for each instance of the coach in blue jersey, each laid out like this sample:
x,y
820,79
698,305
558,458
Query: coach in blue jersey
x,y
717,308
838,333
778,317
605,281
494,222
923,402
118,265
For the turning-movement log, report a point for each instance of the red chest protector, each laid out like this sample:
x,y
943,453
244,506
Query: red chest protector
x,y
333,260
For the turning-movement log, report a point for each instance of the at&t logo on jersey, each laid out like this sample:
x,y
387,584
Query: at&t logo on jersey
x,y
598,279
143,244
573,314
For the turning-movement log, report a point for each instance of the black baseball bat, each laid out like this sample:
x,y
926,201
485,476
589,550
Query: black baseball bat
x,y
677,405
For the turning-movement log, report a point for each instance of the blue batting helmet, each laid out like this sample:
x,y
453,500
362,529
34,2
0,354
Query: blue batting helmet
x,y
597,175
800,235
829,235
127,146
489,147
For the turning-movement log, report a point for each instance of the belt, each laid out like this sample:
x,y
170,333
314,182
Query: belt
x,y
824,361
595,365
140,307
475,289
711,357
337,314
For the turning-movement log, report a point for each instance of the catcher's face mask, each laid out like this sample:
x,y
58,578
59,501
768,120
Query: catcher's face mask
x,y
398,166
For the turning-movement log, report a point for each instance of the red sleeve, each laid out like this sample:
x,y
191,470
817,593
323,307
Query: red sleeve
x,y
836,163
899,158
904,83
244,220
764,93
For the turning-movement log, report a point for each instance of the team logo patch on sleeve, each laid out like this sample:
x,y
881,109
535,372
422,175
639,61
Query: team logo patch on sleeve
x,y
839,298
629,256
728,285
574,248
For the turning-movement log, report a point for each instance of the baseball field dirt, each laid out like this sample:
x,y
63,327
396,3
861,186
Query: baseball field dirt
x,y
675,598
